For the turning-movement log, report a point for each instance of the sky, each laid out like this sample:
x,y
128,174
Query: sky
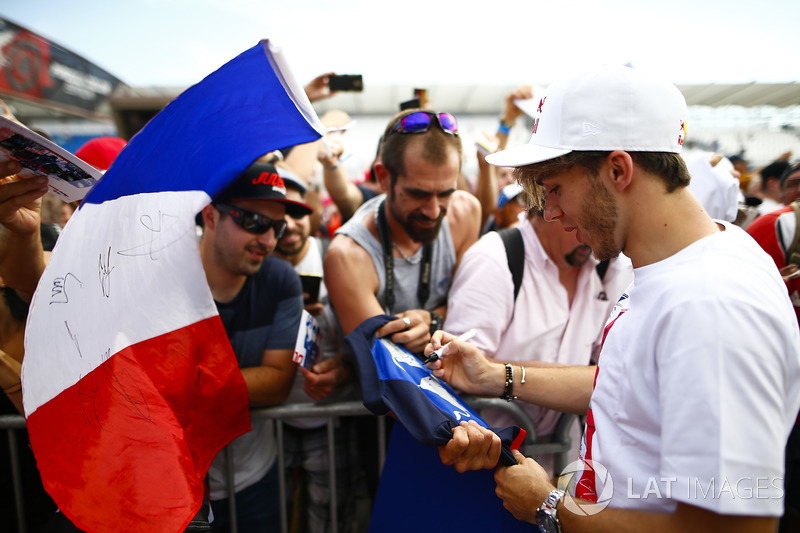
x,y
427,42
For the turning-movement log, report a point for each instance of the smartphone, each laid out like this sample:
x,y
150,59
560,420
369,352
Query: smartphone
x,y
311,283
346,82
414,103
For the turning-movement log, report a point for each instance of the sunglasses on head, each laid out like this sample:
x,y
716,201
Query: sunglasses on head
x,y
251,222
420,122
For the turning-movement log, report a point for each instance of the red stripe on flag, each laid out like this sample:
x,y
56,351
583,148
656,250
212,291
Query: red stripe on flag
x,y
127,448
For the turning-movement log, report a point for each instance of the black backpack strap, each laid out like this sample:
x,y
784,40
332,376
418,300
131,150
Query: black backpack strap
x,y
515,254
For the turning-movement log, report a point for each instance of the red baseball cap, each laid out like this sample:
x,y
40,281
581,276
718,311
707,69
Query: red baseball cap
x,y
100,152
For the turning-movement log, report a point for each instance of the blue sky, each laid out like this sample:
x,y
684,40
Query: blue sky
x,y
497,42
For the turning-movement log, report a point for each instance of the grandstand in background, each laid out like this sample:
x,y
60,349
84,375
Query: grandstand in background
x,y
52,89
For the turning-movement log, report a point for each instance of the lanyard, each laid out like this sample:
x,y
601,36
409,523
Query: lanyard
x,y
424,287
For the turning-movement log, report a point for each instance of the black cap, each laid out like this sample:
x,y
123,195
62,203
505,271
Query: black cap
x,y
261,181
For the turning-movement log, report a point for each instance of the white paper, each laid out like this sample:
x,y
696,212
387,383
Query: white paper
x,y
69,177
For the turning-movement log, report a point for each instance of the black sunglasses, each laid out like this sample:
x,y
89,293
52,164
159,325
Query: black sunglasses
x,y
420,122
251,222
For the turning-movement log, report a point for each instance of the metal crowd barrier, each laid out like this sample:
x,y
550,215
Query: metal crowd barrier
x,y
559,444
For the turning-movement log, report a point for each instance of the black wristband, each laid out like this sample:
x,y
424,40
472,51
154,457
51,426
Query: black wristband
x,y
436,321
508,389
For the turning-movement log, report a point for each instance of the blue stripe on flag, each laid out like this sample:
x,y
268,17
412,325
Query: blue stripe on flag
x,y
210,133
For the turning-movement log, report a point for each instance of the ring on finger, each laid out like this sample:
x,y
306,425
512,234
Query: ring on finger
x,y
407,322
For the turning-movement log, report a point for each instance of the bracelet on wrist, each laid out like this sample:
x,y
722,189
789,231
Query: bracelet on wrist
x,y
508,390
505,126
522,381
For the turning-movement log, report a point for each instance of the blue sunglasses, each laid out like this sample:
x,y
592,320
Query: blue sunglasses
x,y
420,122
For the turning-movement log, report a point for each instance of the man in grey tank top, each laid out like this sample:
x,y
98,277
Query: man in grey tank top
x,y
423,223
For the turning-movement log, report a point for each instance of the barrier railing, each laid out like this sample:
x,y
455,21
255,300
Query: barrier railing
x,y
559,444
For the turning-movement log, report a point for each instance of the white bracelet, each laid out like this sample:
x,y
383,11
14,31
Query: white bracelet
x,y
522,381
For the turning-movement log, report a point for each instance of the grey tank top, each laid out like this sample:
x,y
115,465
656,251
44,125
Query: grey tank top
x,y
406,275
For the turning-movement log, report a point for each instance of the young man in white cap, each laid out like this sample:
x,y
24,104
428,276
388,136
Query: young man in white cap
x,y
260,302
698,381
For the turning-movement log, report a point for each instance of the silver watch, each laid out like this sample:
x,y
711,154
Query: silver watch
x,y
546,517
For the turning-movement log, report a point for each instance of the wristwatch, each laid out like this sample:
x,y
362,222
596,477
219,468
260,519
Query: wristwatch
x,y
436,321
546,517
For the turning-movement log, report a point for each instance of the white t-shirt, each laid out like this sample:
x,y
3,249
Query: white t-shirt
x,y
698,384
542,326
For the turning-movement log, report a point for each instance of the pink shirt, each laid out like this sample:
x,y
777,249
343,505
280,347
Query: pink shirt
x,y
541,326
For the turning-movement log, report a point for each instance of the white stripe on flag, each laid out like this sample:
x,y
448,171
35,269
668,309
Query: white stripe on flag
x,y
125,271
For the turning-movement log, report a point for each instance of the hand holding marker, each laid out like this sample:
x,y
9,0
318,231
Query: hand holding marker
x,y
437,354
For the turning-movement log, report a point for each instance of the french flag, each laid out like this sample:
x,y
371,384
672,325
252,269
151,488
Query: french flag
x,y
130,384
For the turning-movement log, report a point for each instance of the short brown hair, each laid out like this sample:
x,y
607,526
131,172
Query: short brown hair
x,y
435,148
670,167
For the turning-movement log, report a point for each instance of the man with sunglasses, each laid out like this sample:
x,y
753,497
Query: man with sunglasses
x,y
260,302
422,225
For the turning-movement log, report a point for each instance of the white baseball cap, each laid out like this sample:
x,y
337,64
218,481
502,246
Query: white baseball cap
x,y
603,109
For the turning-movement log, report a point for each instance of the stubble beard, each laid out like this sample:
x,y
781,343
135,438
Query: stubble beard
x,y
290,251
578,256
420,235
240,264
599,221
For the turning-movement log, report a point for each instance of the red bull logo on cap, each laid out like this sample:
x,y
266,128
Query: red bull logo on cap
x,y
682,134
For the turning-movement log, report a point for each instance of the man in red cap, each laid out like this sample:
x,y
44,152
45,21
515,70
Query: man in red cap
x,y
260,302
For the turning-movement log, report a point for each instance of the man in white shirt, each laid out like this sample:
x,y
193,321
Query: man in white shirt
x,y
698,382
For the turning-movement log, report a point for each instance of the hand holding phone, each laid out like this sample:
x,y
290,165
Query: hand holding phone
x,y
311,284
346,82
